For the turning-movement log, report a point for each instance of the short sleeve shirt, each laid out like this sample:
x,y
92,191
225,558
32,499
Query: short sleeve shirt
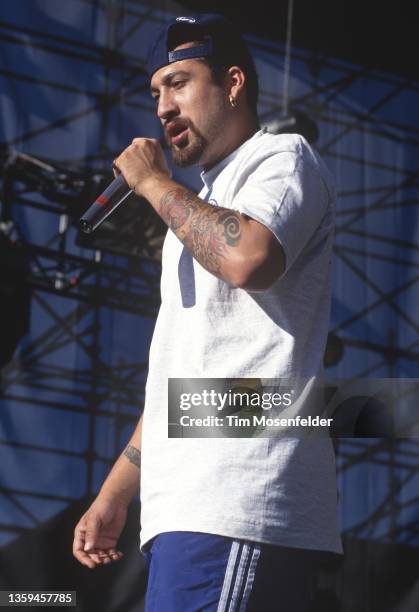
x,y
279,491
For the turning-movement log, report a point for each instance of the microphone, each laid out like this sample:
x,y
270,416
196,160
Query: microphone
x,y
105,204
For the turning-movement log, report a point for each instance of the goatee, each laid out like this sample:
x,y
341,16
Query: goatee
x,y
190,153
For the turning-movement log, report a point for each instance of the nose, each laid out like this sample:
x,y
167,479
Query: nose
x,y
167,107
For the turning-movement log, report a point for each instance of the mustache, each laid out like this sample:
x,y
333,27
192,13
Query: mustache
x,y
176,126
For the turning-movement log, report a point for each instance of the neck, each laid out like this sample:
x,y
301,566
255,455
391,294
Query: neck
x,y
249,128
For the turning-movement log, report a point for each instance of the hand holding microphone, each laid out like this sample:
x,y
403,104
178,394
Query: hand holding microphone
x,y
143,160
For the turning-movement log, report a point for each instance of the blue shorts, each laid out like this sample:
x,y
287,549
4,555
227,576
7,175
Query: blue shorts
x,y
191,572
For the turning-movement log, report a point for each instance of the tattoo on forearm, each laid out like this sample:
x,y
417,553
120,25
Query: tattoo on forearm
x,y
206,230
133,454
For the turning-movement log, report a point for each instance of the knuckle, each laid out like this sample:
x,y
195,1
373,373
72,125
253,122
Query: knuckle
x,y
78,528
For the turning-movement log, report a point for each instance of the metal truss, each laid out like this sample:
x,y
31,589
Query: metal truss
x,y
370,143
393,516
127,282
356,105
376,248
92,283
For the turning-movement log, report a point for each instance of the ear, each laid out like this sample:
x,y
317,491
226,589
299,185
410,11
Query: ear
x,y
235,82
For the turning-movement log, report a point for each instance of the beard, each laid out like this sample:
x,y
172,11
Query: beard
x,y
190,153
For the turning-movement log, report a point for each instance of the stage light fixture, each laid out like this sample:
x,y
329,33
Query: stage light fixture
x,y
295,122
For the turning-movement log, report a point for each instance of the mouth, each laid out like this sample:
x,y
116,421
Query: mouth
x,y
176,132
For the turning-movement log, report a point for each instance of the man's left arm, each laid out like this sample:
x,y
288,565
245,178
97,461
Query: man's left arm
x,y
230,245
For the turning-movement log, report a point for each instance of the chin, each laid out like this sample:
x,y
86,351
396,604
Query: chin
x,y
185,157
191,154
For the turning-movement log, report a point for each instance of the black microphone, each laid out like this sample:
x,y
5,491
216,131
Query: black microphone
x,y
105,204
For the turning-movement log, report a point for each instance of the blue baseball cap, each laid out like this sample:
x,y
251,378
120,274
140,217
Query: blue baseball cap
x,y
218,38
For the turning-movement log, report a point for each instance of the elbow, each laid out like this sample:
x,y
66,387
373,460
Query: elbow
x,y
258,275
255,281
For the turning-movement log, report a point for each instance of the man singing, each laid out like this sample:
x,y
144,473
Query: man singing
x,y
226,523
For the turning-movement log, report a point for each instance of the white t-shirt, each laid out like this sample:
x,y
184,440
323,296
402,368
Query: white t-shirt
x,y
274,490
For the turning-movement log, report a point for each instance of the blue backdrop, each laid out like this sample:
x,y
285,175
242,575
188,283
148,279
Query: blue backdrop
x,y
73,91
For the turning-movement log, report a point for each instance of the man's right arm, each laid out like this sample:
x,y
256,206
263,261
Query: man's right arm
x,y
96,534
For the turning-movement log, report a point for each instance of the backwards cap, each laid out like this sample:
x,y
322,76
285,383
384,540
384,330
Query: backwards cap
x,y
220,40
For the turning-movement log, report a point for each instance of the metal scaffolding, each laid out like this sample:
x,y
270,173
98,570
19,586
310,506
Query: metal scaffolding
x,y
370,146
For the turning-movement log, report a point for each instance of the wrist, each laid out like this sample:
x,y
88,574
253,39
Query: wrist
x,y
147,187
121,491
117,498
152,186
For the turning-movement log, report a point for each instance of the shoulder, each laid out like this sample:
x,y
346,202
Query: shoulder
x,y
267,153
294,146
289,154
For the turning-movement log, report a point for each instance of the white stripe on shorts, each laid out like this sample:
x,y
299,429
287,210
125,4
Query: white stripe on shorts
x,y
239,577
250,577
